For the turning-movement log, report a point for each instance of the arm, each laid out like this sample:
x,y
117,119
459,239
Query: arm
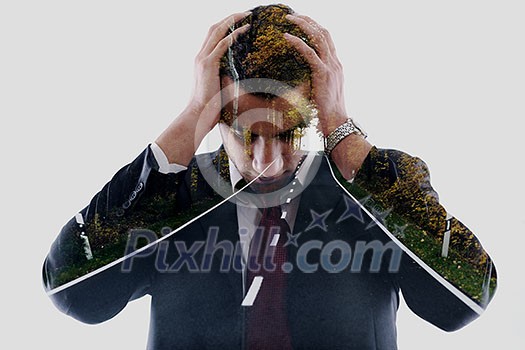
x,y
182,138
98,234
83,271
140,201
396,183
444,259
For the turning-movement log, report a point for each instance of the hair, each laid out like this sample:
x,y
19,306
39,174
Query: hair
x,y
263,51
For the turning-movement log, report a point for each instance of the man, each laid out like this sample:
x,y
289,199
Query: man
x,y
262,244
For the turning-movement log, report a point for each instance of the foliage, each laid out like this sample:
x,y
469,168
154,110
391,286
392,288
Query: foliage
x,y
400,186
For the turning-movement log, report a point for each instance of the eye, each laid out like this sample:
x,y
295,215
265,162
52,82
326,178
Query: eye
x,y
245,135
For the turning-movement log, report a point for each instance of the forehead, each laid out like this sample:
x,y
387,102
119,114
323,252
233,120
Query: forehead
x,y
273,103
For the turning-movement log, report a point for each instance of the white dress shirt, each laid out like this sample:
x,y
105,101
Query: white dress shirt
x,y
248,217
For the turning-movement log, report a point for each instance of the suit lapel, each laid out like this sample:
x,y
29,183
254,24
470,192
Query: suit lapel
x,y
223,222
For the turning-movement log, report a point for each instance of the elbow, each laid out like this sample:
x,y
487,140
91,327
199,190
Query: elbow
x,y
83,309
455,323
95,299
446,318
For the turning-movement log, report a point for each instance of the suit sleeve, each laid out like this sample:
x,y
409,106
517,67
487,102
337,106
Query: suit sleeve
x,y
82,273
446,276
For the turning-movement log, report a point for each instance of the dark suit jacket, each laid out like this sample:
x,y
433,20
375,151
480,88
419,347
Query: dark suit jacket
x,y
197,310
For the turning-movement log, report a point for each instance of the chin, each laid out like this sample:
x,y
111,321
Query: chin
x,y
271,184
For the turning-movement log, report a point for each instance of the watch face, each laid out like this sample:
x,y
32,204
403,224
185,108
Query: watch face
x,y
358,127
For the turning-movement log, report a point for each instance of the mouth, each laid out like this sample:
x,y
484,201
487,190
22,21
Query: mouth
x,y
273,180
268,180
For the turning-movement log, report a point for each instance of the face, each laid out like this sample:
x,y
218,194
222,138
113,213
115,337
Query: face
x,y
262,137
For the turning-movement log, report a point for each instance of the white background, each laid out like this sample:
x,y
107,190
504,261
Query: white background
x,y
86,85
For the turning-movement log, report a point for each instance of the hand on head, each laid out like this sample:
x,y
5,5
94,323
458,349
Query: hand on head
x,y
268,43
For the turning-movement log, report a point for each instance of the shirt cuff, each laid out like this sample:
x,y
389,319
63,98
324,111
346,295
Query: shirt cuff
x,y
164,166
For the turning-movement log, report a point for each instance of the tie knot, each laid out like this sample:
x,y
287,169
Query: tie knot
x,y
272,221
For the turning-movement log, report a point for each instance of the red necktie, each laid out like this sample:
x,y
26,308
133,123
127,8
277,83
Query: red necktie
x,y
267,320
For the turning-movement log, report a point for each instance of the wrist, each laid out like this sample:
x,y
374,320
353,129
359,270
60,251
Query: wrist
x,y
332,122
182,137
197,117
337,135
350,154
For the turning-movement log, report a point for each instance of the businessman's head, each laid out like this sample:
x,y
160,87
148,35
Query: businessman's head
x,y
266,94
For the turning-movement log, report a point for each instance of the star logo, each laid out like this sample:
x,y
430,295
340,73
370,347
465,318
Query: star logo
x,y
399,231
318,220
379,216
352,210
292,239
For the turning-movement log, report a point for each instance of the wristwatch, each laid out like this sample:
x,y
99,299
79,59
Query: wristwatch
x,y
342,131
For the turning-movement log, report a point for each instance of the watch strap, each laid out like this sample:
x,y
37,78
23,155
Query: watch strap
x,y
340,133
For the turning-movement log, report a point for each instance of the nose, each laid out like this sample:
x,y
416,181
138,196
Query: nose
x,y
267,153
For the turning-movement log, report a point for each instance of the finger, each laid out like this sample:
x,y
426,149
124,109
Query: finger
x,y
326,33
314,32
218,31
320,31
305,50
226,42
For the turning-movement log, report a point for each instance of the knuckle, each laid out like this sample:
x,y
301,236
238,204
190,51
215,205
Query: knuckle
x,y
310,53
224,42
306,18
